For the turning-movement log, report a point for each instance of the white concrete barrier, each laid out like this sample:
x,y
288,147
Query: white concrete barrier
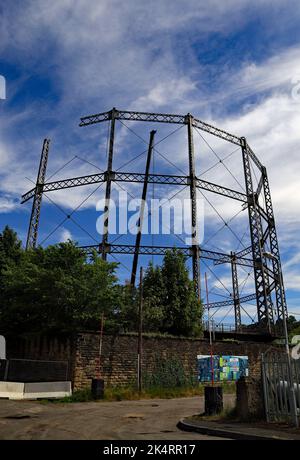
x,y
11,390
36,390
2,347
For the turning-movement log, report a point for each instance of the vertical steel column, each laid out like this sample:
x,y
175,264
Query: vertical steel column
x,y
37,200
264,301
236,294
108,175
141,218
193,197
277,270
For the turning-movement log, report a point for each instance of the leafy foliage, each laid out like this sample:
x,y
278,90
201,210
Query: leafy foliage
x,y
59,289
293,326
153,291
170,302
55,289
169,373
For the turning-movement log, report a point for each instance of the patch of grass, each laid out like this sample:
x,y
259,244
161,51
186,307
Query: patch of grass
x,y
130,393
84,395
228,414
168,393
121,393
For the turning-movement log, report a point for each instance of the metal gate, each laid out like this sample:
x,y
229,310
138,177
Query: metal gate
x,y
281,388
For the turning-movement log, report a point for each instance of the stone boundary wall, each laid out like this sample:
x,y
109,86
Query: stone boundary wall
x,y
119,354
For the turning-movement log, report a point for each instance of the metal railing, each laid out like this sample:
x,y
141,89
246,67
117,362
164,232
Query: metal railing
x,y
218,327
30,370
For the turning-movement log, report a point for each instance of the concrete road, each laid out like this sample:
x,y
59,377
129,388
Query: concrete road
x,y
128,420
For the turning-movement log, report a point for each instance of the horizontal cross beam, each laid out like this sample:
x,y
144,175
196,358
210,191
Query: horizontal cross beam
x,y
169,118
242,253
227,303
66,183
158,118
161,251
163,179
133,116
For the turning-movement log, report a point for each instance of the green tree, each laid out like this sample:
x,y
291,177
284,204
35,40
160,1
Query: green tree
x,y
10,249
10,245
154,293
293,326
171,305
101,294
182,310
57,289
128,308
10,255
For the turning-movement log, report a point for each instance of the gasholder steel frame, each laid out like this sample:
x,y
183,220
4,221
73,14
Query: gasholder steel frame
x,y
261,218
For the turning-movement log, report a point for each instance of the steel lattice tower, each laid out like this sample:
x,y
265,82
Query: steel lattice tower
x,y
269,290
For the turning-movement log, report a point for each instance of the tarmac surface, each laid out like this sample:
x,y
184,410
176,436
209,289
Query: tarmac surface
x,y
149,419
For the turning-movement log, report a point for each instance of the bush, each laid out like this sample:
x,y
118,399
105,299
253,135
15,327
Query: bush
x,y
169,373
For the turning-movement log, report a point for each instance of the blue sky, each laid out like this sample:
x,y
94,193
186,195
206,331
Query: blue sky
x,y
235,64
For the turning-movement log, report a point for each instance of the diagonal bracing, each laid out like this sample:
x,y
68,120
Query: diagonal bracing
x,y
270,294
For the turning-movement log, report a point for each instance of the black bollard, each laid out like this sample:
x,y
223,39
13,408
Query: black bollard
x,y
97,388
213,400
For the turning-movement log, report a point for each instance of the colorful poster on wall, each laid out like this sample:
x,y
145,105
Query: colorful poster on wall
x,y
225,368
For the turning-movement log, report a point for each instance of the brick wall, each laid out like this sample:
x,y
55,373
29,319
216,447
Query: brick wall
x,y
119,356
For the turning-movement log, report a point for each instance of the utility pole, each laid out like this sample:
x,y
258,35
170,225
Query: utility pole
x,y
140,333
100,344
210,333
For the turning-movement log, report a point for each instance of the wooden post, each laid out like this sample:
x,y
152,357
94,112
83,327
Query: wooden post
x,y
210,334
140,337
100,344
97,384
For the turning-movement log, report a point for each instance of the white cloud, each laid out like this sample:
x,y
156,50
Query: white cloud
x,y
271,129
4,155
8,204
65,235
139,55
276,72
178,90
